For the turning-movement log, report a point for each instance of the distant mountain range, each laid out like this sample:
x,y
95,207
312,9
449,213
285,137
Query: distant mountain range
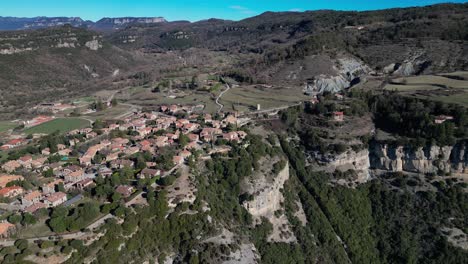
x,y
105,24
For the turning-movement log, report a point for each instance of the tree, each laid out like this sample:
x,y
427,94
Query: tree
x,y
14,219
116,197
21,244
48,173
58,224
114,102
183,140
29,219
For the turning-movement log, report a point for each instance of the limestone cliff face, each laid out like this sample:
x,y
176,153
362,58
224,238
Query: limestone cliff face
x,y
447,159
351,160
267,199
267,194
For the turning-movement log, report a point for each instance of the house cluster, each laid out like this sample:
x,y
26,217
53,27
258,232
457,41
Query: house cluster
x,y
13,143
145,132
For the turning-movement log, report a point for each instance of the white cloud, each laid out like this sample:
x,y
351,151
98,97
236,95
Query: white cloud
x,y
295,10
241,9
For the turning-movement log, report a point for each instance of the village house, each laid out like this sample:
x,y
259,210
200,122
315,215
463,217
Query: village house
x,y
104,171
84,184
229,120
178,160
131,151
6,229
61,147
162,141
124,190
74,176
339,96
190,127
185,154
209,134
65,152
192,145
6,178
11,166
46,152
38,163
149,173
31,198
11,191
442,118
338,116
231,136
145,131
34,207
14,143
55,199
25,161
50,187
121,163
112,156
193,137
207,118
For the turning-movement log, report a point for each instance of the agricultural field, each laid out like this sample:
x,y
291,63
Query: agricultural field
x,y
146,98
246,98
110,113
62,125
447,88
6,125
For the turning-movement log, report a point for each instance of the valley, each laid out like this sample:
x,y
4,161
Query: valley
x,y
288,137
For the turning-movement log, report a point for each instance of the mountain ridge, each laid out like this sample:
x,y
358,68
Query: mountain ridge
x,y
9,23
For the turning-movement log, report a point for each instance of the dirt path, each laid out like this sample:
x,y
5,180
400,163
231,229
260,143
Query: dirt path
x,y
219,97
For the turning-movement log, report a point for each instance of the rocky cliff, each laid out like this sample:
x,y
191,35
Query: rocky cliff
x,y
434,159
352,160
267,201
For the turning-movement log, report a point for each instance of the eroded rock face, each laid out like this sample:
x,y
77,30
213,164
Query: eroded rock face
x,y
12,50
93,44
267,195
435,159
267,200
349,70
351,160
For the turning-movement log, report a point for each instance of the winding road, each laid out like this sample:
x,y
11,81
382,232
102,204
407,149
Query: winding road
x,y
219,97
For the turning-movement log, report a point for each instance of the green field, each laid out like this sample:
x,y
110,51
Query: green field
x,y
62,125
5,125
434,87
433,80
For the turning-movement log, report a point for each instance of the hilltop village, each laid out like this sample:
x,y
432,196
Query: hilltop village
x,y
109,162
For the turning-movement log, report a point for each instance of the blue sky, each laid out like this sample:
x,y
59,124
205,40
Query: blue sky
x,y
188,9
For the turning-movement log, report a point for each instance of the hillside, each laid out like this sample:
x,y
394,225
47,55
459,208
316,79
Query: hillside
x,y
316,50
416,40
54,63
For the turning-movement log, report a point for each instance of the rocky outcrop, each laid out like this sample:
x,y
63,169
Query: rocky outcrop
x,y
350,70
93,44
352,160
267,200
12,50
434,159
